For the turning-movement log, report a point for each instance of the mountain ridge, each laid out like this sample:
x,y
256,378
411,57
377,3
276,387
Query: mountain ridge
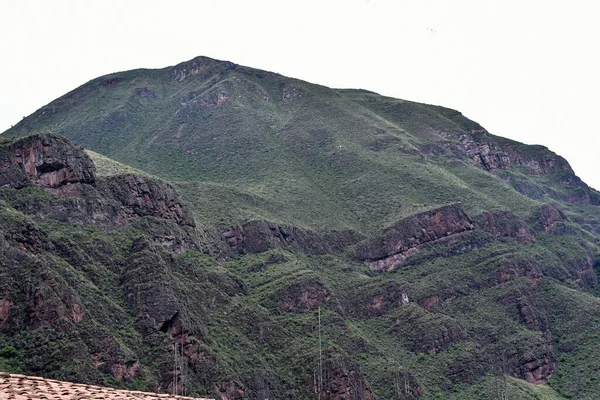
x,y
267,132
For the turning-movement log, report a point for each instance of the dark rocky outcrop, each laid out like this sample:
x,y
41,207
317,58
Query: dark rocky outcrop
x,y
513,269
144,196
46,160
51,162
532,312
535,365
424,332
344,381
303,296
549,216
494,155
111,358
259,236
406,237
373,299
505,224
144,283
229,391
485,152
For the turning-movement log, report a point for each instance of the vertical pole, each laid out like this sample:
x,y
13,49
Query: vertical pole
x,y
320,358
174,367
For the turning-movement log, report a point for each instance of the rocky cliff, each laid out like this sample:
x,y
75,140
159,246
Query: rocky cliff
x,y
261,236
49,161
409,235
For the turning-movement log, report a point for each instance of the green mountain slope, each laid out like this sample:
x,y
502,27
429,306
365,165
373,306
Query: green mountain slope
x,y
303,153
343,245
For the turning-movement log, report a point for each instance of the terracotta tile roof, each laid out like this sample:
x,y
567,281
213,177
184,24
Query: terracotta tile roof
x,y
21,387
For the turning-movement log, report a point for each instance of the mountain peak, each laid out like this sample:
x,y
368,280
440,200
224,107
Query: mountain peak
x,y
201,66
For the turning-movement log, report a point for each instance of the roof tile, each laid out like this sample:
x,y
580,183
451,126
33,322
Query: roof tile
x,y
22,387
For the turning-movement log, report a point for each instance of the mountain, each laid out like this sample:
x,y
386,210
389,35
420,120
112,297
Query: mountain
x,y
309,243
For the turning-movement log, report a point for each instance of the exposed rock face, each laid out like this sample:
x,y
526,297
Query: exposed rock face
x,y
380,304
5,307
26,236
344,382
536,366
529,310
301,297
505,224
54,164
407,236
53,304
109,357
378,299
143,284
46,160
484,150
113,201
202,66
549,215
496,154
509,270
579,269
425,332
142,196
229,391
259,236
185,344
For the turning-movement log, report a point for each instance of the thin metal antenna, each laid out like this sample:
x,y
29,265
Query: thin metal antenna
x,y
174,379
320,358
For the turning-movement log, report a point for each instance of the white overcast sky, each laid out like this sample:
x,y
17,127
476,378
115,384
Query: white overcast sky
x,y
527,70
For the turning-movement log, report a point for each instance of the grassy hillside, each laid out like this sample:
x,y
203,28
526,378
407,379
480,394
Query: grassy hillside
x,y
297,152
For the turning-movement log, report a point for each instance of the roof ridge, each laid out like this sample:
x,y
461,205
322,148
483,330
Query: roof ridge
x,y
25,387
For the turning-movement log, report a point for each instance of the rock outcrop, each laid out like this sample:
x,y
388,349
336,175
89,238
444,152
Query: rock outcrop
x,y
46,160
535,366
505,224
342,381
406,237
374,299
493,156
52,163
549,216
110,357
513,269
229,391
144,284
302,297
145,196
424,332
259,236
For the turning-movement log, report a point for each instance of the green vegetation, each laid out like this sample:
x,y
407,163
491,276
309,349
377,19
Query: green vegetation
x,y
243,144
107,167
472,316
